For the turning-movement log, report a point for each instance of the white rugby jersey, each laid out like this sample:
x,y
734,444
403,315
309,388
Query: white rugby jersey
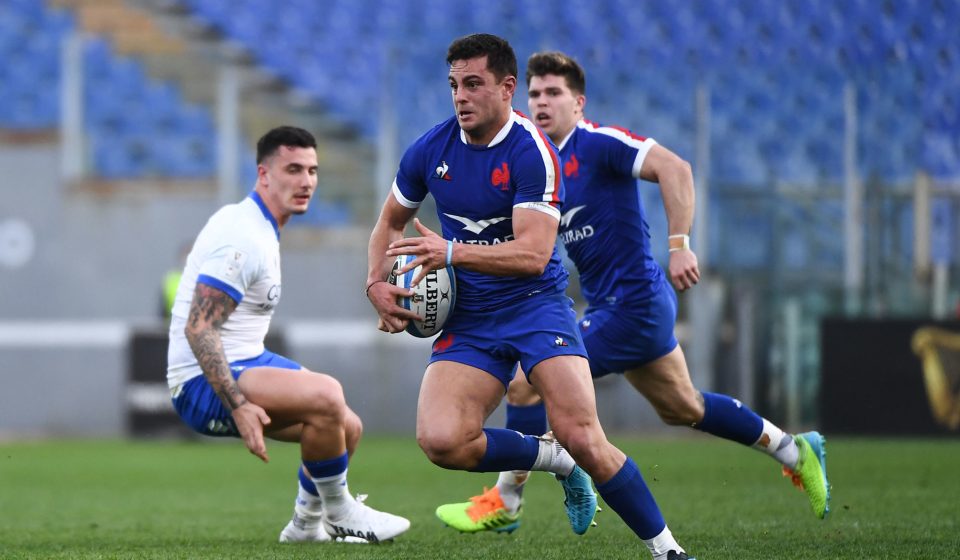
x,y
238,252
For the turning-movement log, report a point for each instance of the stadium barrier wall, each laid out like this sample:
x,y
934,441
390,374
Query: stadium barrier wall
x,y
107,378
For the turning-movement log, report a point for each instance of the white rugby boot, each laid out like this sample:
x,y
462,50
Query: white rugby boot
x,y
301,530
359,520
304,529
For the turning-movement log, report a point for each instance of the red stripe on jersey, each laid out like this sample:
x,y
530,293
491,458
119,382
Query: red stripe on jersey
x,y
620,128
555,196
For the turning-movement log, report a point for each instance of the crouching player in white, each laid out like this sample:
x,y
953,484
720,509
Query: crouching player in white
x,y
225,383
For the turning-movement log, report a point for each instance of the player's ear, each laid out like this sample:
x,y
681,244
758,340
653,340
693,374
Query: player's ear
x,y
509,85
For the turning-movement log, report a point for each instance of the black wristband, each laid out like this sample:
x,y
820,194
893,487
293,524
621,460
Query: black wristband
x,y
366,292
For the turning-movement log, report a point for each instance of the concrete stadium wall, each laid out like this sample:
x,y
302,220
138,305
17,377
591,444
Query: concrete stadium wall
x,y
100,252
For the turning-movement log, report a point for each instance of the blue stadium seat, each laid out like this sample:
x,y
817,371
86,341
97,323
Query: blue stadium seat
x,y
940,154
120,157
212,12
184,156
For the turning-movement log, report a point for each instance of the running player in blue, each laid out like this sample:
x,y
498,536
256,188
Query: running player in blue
x,y
225,383
496,182
628,325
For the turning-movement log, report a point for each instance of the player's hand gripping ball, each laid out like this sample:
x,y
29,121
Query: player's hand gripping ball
x,y
433,298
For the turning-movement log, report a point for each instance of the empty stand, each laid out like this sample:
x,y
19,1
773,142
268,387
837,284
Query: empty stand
x,y
775,72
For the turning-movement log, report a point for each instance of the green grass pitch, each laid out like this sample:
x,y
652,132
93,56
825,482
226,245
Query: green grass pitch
x,y
110,499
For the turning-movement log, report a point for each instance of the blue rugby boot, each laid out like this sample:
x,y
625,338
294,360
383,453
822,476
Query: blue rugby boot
x,y
580,500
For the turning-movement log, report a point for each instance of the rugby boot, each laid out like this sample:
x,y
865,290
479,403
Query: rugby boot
x,y
810,475
580,500
303,529
363,522
485,512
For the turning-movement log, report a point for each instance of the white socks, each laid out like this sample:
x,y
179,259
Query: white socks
x,y
553,458
778,444
307,509
307,504
334,494
510,484
663,543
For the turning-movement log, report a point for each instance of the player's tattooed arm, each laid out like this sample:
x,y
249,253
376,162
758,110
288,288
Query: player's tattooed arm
x,y
208,312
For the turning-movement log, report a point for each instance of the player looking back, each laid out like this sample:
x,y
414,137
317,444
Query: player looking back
x,y
628,325
496,182
222,379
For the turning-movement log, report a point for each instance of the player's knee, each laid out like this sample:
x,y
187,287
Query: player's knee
x,y
583,441
353,429
326,398
441,451
444,448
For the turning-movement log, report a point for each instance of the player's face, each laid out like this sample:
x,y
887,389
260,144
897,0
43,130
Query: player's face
x,y
290,177
482,104
554,106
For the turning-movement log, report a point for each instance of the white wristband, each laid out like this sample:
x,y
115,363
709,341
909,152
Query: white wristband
x,y
684,242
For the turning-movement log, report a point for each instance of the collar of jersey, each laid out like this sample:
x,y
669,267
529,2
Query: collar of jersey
x,y
266,212
567,137
500,135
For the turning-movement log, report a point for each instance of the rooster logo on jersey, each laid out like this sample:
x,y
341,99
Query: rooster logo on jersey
x,y
572,167
501,177
441,171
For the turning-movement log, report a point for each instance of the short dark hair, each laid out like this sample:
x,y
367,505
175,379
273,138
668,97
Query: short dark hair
x,y
501,60
558,64
292,136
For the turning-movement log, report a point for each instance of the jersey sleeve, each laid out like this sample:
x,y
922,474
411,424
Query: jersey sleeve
x,y
231,269
410,186
624,150
536,176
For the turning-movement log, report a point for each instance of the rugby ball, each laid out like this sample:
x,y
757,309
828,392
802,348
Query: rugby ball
x,y
433,298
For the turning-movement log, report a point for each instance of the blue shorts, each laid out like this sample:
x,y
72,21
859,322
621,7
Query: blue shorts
x,y
201,408
624,336
539,327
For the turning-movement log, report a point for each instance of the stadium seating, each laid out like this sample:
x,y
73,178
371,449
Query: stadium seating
x,y
137,127
29,75
775,71
142,127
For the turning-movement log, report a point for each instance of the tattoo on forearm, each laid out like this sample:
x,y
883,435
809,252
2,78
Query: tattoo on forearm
x,y
208,312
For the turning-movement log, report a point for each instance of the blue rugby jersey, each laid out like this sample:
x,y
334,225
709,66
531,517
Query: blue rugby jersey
x,y
476,189
604,226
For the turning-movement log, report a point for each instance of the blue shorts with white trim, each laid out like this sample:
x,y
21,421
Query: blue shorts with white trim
x,y
539,327
200,407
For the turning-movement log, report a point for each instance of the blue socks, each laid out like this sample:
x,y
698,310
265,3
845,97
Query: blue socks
x,y
330,479
307,484
629,496
327,467
507,451
529,420
728,418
